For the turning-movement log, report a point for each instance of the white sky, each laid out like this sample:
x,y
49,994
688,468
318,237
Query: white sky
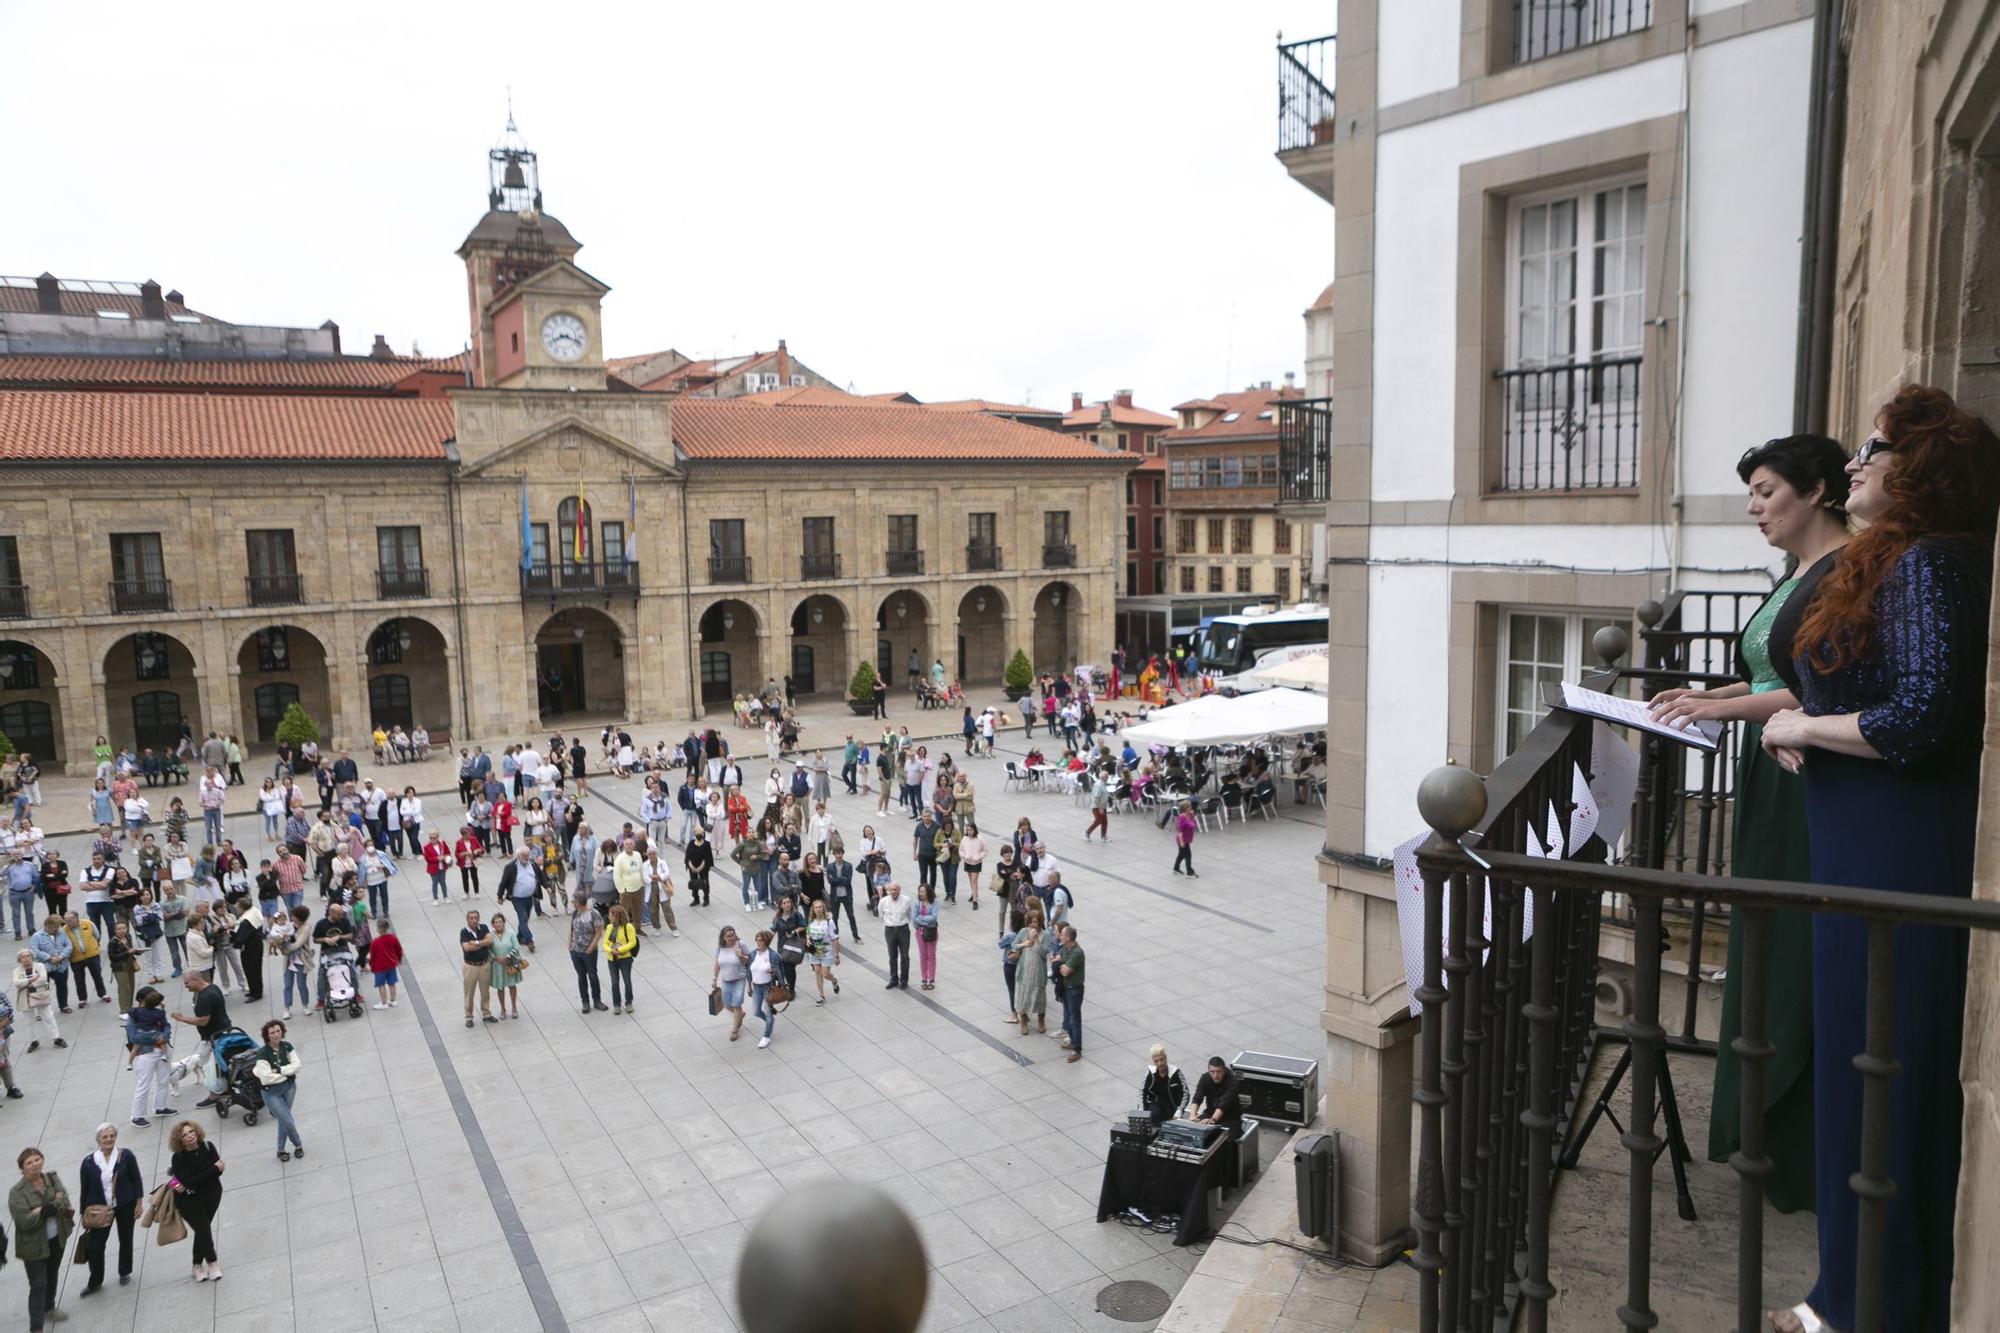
x,y
958,200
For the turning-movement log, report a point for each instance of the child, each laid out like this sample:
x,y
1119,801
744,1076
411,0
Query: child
x,y
385,952
145,1026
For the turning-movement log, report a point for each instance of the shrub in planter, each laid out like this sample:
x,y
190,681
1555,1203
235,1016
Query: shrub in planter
x,y
1020,676
861,690
295,727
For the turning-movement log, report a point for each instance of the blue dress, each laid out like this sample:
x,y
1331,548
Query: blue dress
x,y
1904,822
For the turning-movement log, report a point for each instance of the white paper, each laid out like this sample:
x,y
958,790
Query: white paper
x,y
1410,913
181,869
1614,766
1583,819
1625,712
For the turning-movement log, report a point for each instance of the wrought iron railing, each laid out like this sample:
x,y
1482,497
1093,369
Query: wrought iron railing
x,y
394,583
1570,427
274,589
137,596
819,565
13,601
1305,449
1305,93
982,559
729,569
903,562
1507,1033
582,578
1550,27
1058,555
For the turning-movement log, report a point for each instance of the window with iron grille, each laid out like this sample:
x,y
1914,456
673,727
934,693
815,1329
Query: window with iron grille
x,y
1281,538
1187,578
1214,536
399,551
1281,582
1550,27
1243,573
1241,532
1184,536
1055,527
1215,578
902,532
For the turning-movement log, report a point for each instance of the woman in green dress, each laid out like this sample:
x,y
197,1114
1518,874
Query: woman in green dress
x,y
1797,485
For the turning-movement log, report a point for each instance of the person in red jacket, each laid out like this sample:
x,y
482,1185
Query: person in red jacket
x,y
437,860
385,955
503,824
467,852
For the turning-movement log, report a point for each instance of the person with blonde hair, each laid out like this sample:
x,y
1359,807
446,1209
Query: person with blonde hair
x,y
195,1173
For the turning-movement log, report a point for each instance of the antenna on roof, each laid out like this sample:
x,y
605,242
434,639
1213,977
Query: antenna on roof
x,y
510,110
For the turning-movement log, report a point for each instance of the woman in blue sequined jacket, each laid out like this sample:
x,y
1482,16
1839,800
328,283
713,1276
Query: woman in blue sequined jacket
x,y
1891,658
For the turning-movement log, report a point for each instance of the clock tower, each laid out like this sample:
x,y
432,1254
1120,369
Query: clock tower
x,y
535,316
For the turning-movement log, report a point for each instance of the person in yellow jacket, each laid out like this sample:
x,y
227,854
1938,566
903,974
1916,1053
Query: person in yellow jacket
x,y
621,946
84,960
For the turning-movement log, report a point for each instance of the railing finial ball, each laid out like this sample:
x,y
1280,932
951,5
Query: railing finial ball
x,y
1650,613
1611,643
1452,800
832,1256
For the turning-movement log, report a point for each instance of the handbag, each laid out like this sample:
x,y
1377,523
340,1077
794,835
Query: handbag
x,y
778,993
514,965
97,1216
714,1001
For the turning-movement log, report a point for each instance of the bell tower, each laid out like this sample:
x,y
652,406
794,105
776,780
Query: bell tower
x,y
512,243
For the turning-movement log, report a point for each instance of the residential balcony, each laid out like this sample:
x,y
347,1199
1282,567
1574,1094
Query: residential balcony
x,y
819,565
903,562
1058,555
1306,113
1518,1053
1570,427
1544,28
983,559
142,595
13,601
729,569
394,583
582,578
1305,451
274,589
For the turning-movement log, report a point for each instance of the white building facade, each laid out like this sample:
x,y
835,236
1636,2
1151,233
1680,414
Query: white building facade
x,y
1566,301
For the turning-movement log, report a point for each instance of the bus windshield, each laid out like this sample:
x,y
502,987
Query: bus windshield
x,y
1233,644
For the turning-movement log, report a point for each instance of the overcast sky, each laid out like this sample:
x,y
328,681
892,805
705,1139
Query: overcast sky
x,y
958,200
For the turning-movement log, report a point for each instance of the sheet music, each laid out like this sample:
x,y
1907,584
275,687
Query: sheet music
x,y
1631,713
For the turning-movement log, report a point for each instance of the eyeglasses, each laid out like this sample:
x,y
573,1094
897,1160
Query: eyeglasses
x,y
1870,447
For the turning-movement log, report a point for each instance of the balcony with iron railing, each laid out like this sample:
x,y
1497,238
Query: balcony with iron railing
x,y
729,569
582,578
982,559
141,595
1513,1049
274,589
899,562
1305,451
1058,555
1306,112
1569,427
391,584
13,601
1550,27
819,565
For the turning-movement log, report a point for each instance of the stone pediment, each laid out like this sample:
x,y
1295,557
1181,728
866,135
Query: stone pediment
x,y
568,447
561,278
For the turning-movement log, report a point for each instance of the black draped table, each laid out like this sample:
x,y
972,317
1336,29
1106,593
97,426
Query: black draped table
x,y
1158,1185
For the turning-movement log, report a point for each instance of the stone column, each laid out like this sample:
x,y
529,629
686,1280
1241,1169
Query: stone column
x,y
1366,1074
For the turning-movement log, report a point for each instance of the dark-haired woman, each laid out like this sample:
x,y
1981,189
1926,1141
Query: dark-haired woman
x,y
1891,656
1798,492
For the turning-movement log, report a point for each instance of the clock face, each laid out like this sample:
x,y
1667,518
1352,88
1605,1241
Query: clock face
x,y
565,337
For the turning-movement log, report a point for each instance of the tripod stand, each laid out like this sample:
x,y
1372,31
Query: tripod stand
x,y
1676,1142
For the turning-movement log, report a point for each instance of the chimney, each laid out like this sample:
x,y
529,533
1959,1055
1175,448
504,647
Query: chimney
x,y
380,351
1122,398
334,329
48,294
1288,381
784,366
1265,384
174,298
1075,401
150,304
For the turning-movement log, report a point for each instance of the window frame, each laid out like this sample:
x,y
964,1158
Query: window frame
x,y
1585,295
388,544
1578,625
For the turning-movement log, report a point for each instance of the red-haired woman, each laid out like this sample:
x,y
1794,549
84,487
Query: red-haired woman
x,y
1891,656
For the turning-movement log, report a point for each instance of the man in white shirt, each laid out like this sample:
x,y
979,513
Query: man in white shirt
x,y
895,912
531,772
373,798
1045,870
657,901
213,785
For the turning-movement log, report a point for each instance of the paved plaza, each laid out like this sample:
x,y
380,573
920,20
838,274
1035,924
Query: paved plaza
x,y
601,1172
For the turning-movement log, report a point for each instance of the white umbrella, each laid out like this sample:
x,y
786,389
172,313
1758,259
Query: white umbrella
x,y
1216,720
1307,673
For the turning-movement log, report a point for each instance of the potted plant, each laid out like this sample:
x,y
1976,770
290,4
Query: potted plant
x,y
1020,676
861,691
295,727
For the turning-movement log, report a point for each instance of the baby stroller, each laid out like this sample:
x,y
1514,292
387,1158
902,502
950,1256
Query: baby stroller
x,y
336,983
235,1052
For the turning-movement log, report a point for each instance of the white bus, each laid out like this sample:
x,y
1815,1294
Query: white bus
x,y
1232,647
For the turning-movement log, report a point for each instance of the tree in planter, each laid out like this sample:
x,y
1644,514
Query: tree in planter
x,y
1020,674
6,746
295,728
862,688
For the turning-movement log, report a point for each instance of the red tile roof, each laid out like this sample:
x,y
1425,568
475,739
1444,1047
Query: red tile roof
x,y
19,296
1200,405
39,426
343,372
1245,406
1325,301
795,424
1090,414
988,405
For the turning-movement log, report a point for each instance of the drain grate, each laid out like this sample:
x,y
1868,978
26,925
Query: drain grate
x,y
1133,1302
